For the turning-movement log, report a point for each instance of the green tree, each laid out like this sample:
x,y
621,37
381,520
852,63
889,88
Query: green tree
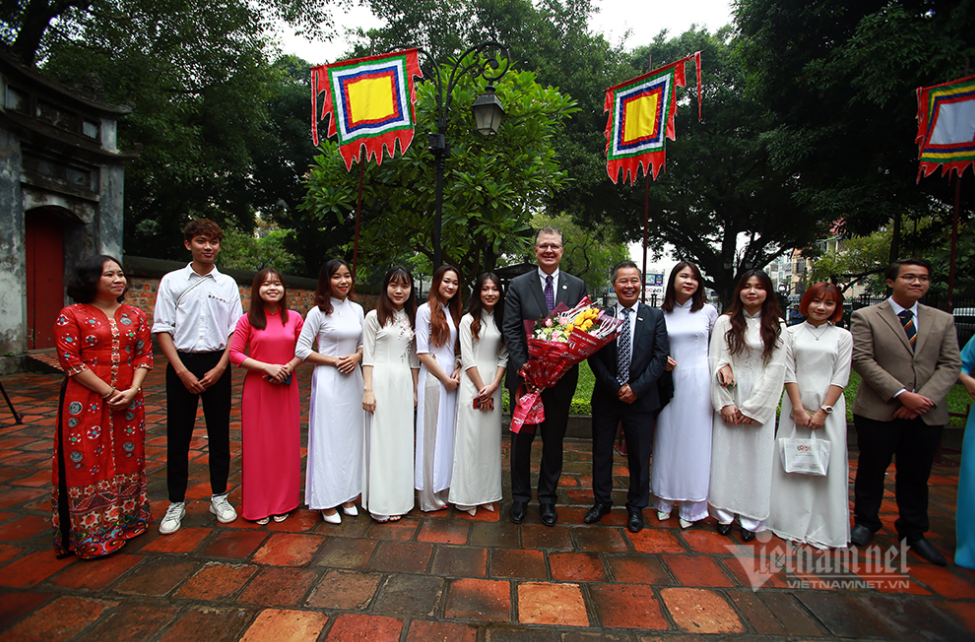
x,y
719,200
840,78
551,38
859,258
210,111
243,251
492,185
26,25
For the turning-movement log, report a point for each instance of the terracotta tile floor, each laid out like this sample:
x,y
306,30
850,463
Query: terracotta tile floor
x,y
444,576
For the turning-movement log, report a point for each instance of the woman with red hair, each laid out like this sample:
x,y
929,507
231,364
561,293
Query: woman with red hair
x,y
805,508
436,341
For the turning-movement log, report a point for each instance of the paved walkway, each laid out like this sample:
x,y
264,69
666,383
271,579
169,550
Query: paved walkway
x,y
444,576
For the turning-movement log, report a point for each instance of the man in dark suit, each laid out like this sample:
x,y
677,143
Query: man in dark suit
x,y
531,296
626,392
907,356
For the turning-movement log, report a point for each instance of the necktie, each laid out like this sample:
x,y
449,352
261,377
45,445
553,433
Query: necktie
x,y
623,350
549,293
907,320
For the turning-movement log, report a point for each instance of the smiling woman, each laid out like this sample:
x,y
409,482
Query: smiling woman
x,y
104,349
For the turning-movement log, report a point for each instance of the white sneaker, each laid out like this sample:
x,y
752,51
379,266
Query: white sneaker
x,y
662,516
220,507
685,524
172,519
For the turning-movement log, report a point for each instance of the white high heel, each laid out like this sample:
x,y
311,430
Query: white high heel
x,y
334,518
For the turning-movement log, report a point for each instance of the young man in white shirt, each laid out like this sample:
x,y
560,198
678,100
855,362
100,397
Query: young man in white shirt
x,y
197,309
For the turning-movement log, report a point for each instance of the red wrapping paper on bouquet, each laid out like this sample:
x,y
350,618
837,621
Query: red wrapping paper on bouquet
x,y
549,360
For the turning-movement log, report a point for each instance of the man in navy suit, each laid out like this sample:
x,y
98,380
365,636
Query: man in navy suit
x,y
626,392
529,297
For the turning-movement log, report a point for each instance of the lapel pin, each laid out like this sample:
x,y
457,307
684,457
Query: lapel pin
x,y
639,318
565,287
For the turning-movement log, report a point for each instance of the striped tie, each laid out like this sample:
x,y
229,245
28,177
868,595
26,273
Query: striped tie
x,y
623,351
907,320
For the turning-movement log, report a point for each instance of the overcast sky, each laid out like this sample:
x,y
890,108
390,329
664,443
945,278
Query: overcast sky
x,y
632,22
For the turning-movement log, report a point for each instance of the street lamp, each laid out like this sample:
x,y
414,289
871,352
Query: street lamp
x,y
487,108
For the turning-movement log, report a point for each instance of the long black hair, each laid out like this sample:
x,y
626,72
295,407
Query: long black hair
x,y
477,306
323,293
770,324
385,309
670,295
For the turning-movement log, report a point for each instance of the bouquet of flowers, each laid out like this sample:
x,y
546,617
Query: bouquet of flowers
x,y
555,344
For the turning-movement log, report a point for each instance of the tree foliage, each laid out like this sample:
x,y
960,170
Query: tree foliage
x,y
491,188
243,251
215,120
840,78
719,201
31,29
550,38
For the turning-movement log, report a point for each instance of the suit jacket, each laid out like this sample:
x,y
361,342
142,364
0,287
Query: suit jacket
x,y
525,300
650,349
883,357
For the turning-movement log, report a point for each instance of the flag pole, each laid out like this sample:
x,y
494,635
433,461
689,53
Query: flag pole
x,y
358,209
646,231
954,228
646,212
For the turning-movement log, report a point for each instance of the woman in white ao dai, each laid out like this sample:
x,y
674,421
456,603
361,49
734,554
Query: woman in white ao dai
x,y
333,470
745,393
682,438
806,508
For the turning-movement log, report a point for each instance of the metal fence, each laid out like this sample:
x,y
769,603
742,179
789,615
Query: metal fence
x,y
964,311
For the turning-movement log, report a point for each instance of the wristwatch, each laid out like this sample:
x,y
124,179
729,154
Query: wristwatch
x,y
827,409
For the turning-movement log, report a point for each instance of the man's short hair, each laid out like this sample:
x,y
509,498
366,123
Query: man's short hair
x,y
626,264
548,229
894,269
202,227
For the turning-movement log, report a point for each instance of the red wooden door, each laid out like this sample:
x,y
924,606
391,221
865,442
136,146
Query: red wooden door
x,y
45,277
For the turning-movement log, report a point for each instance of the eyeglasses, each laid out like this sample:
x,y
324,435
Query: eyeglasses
x,y
548,246
911,278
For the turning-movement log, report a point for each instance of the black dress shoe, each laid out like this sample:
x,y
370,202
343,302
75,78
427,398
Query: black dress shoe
x,y
596,513
518,511
635,520
549,516
926,551
860,535
724,529
747,535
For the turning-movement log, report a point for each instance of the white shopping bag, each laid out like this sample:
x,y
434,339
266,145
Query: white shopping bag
x,y
808,456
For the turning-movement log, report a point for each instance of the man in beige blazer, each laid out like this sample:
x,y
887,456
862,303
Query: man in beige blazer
x,y
907,356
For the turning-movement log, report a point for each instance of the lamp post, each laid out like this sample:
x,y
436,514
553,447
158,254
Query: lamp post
x,y
487,108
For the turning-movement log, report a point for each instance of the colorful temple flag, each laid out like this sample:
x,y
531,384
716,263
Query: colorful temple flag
x,y
641,117
370,101
946,127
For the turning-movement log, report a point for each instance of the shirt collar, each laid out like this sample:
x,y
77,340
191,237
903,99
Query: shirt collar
x,y
898,308
632,308
190,271
554,275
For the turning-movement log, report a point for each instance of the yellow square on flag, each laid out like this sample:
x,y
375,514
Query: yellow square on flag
x,y
641,116
371,99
